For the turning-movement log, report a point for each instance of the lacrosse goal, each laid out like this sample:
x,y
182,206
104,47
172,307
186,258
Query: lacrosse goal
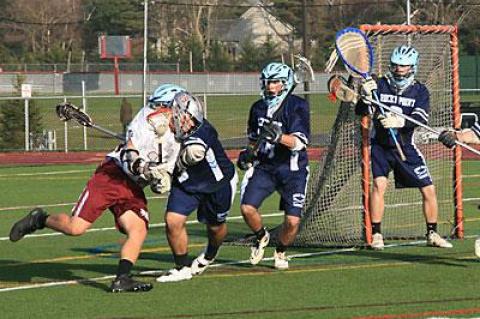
x,y
337,212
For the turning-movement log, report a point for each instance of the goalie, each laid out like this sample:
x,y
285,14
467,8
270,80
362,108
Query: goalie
x,y
399,90
117,184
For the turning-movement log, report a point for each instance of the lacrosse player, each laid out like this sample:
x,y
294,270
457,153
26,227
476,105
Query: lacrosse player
x,y
278,130
401,91
205,180
117,184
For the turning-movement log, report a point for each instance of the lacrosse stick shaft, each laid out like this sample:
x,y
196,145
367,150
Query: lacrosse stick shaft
x,y
108,132
428,128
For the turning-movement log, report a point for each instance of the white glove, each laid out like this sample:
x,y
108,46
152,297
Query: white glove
x,y
160,179
366,90
391,120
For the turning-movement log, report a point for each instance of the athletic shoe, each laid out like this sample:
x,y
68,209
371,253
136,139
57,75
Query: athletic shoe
x,y
28,224
125,283
434,240
281,260
200,264
259,249
477,247
174,275
377,242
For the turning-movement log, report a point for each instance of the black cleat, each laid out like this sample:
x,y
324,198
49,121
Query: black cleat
x,y
28,224
125,283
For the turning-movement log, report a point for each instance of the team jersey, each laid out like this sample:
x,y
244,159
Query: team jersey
x,y
294,119
145,141
414,101
212,172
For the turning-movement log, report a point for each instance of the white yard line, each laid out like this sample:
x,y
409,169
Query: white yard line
x,y
217,265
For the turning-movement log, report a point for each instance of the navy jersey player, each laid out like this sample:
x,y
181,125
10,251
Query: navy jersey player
x,y
204,179
281,131
399,90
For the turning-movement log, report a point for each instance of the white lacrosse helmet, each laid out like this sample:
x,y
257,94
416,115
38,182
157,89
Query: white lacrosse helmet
x,y
187,114
280,72
402,55
163,95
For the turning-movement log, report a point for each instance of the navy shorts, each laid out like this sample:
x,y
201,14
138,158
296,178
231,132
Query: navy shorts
x,y
409,174
212,208
258,184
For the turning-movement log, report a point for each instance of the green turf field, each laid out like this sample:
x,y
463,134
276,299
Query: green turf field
x,y
49,276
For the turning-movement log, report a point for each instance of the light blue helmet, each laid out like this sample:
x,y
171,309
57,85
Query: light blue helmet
x,y
403,55
276,71
163,95
185,105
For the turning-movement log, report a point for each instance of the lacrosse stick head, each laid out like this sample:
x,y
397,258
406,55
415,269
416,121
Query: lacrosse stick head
x,y
187,115
355,51
303,71
66,111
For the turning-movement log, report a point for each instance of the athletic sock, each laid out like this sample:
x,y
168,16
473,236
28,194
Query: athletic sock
x,y
211,251
376,228
260,233
124,267
181,261
431,227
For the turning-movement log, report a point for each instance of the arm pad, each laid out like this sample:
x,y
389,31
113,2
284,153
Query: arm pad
x,y
192,154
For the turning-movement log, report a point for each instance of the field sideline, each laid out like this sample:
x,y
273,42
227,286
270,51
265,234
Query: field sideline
x,y
54,276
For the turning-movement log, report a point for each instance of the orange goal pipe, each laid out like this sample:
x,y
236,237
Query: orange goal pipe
x,y
457,155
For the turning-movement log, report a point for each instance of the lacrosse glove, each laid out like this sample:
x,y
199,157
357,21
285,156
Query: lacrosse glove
x,y
159,178
391,120
366,90
271,132
448,138
246,158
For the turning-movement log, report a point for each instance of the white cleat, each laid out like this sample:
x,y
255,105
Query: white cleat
x,y
477,247
435,240
259,249
174,275
200,264
281,260
377,242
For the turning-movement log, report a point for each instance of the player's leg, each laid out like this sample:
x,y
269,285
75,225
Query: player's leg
x,y
256,186
382,159
214,210
287,235
180,205
430,210
136,230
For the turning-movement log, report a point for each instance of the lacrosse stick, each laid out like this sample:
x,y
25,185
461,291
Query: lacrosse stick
x,y
67,111
302,72
428,128
356,53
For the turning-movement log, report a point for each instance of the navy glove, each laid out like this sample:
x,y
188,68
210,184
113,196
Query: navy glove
x,y
246,158
448,138
271,132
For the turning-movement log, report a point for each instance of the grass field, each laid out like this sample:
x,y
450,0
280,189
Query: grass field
x,y
54,276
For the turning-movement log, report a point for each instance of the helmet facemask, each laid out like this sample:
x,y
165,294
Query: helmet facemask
x,y
187,115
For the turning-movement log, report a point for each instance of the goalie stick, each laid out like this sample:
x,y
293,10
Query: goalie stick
x,y
428,128
67,111
356,53
302,72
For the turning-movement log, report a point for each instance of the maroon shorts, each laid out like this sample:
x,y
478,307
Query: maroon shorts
x,y
110,187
